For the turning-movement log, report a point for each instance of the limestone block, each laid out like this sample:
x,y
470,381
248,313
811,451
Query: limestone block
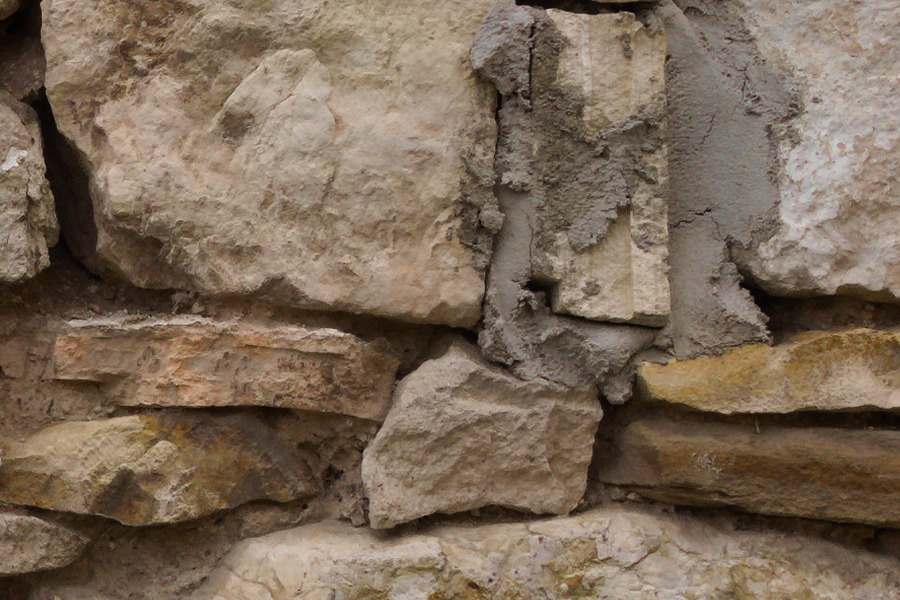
x,y
462,435
857,369
29,544
608,553
143,470
331,157
190,361
27,218
817,473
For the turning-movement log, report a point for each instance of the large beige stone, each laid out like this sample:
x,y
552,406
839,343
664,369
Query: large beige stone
x,y
191,361
816,473
615,67
27,218
29,544
608,553
143,470
462,435
840,156
330,156
857,369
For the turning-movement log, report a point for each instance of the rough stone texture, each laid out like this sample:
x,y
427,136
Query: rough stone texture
x,y
611,553
817,473
142,470
27,218
464,435
564,192
190,361
29,544
21,65
326,156
839,157
858,369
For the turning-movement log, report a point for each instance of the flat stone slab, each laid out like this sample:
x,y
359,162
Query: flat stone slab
x,y
193,362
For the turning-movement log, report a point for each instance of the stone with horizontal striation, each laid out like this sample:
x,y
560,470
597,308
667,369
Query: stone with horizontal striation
x,y
191,361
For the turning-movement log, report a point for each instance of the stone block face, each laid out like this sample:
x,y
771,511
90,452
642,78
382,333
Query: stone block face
x,y
816,473
195,362
27,219
29,544
144,470
464,435
326,157
857,369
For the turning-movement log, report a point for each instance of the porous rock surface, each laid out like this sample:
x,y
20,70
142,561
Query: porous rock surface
x,y
325,156
856,369
28,224
29,544
194,362
463,435
142,470
813,472
606,553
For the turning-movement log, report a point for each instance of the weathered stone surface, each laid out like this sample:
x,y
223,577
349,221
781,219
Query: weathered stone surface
x,y
191,361
27,218
326,156
21,65
817,473
857,369
610,553
142,470
567,168
463,435
839,157
29,544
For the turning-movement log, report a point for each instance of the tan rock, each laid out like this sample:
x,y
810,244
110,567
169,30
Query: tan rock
x,y
22,66
143,470
29,544
190,361
608,553
27,217
615,66
462,435
325,156
857,369
816,473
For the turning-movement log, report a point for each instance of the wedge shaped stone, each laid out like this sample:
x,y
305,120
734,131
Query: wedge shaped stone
x,y
858,369
462,435
29,544
817,473
189,361
332,157
143,470
607,553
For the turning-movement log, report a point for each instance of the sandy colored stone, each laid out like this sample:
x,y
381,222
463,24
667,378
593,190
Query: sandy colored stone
x,y
857,369
191,361
325,156
463,434
608,553
27,219
29,544
817,473
143,470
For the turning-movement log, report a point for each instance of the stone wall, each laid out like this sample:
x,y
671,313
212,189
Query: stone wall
x,y
509,300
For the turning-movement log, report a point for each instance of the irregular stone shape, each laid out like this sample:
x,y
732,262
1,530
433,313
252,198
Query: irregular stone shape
x,y
612,68
190,361
27,217
143,470
563,195
29,544
839,156
608,553
816,473
463,435
328,157
21,65
857,369
8,8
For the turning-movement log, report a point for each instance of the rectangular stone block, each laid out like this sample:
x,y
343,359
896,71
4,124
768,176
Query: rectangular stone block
x,y
185,361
